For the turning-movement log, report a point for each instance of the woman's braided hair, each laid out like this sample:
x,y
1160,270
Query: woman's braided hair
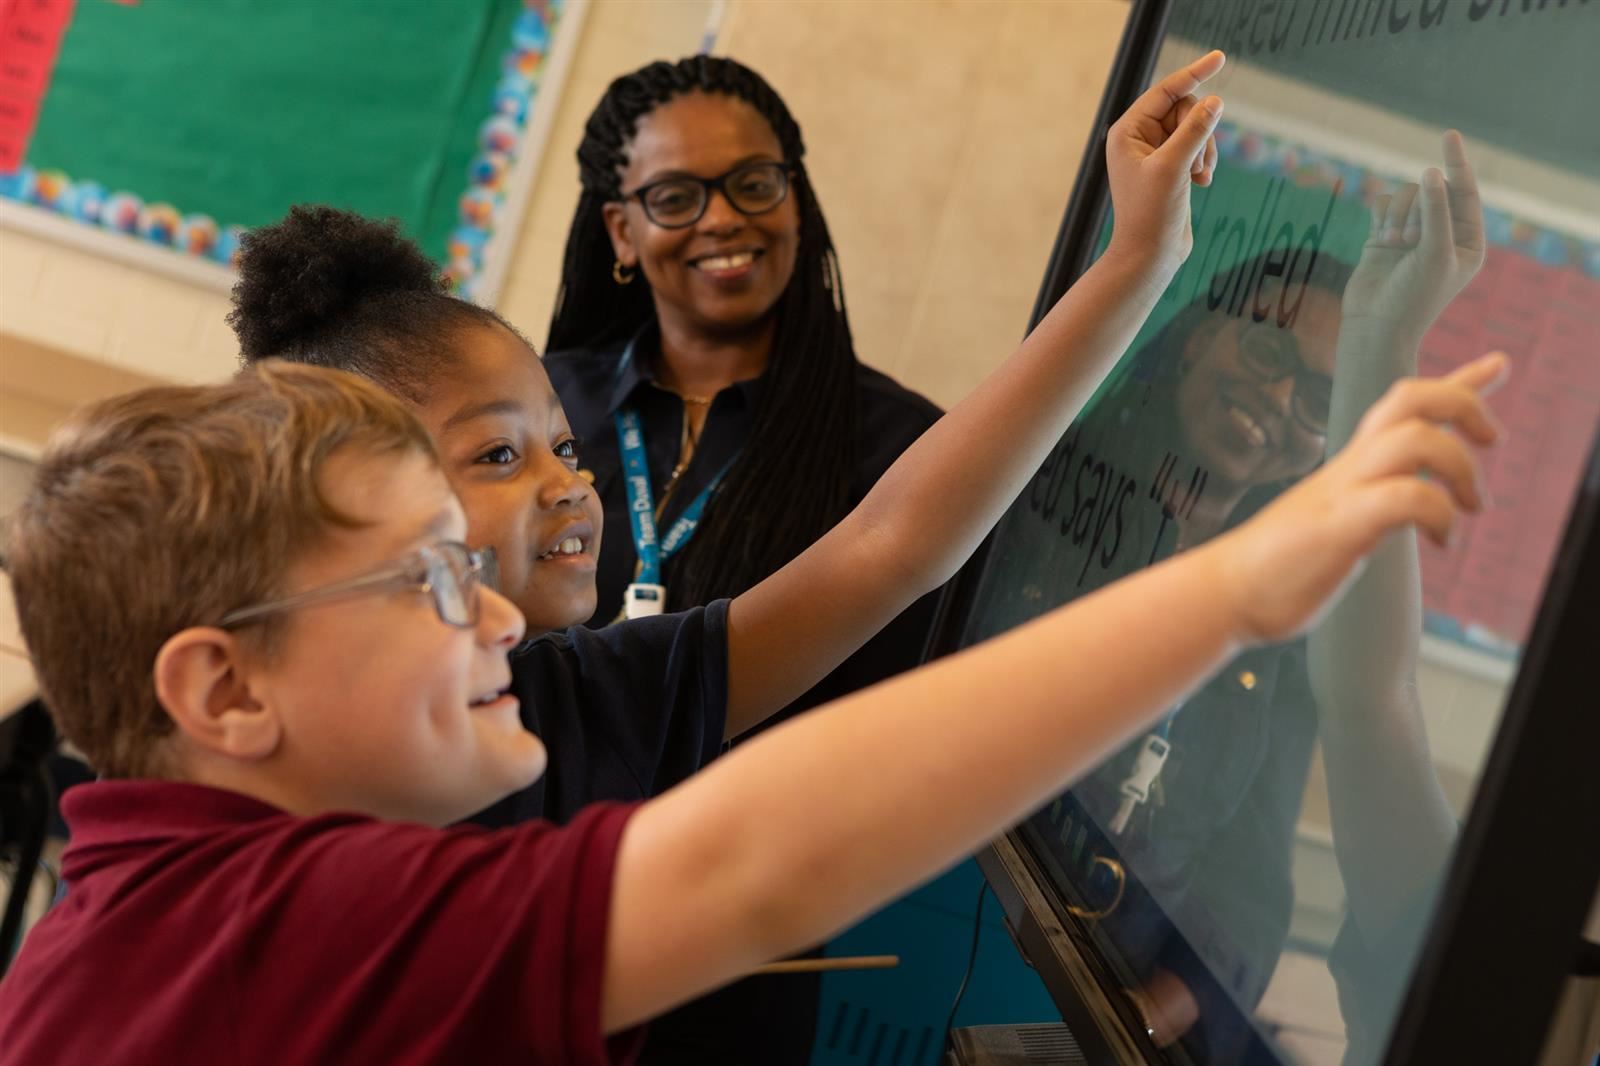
x,y
791,483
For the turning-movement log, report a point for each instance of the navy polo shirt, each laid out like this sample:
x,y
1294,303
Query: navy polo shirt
x,y
768,1019
595,383
626,712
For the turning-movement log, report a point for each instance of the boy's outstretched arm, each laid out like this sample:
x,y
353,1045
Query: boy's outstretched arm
x,y
931,509
804,829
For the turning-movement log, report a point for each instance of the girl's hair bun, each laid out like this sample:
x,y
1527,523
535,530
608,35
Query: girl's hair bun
x,y
314,269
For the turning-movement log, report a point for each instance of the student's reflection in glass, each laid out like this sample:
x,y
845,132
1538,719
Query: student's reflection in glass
x,y
1393,828
1211,420
1214,417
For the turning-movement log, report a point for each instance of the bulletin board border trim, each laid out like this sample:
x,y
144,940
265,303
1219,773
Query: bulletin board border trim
x,y
1514,219
479,273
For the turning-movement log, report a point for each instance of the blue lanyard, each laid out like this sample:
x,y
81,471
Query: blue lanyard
x,y
642,506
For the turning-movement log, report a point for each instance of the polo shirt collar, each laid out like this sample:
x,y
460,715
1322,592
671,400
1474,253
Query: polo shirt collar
x,y
636,368
105,817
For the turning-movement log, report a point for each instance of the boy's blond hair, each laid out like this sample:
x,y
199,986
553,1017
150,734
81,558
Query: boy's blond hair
x,y
167,508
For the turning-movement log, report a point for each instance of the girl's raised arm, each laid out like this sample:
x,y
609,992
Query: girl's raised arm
x,y
931,509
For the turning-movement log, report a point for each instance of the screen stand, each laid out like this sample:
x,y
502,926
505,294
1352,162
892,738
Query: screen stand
x,y
1014,1045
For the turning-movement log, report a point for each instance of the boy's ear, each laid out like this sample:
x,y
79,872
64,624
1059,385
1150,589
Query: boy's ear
x,y
617,227
202,680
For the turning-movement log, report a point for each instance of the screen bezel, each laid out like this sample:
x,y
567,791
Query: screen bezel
x,y
1486,982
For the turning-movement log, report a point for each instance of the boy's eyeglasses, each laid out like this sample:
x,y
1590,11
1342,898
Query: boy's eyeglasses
x,y
752,189
1270,356
448,571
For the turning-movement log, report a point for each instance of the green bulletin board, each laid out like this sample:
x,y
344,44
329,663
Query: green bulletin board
x,y
230,111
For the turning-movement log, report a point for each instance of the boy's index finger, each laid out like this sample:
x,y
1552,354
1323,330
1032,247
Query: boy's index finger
x,y
1456,397
1161,97
1484,374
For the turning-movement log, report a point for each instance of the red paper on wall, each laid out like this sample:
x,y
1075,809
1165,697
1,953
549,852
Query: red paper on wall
x,y
1547,319
30,36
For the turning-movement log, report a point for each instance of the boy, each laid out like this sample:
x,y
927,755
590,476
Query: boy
x,y
282,725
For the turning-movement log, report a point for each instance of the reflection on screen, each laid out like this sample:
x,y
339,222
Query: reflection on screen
x,y
1261,869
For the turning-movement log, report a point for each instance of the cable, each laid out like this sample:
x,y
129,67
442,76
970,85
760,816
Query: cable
x,y
30,848
55,880
27,798
972,960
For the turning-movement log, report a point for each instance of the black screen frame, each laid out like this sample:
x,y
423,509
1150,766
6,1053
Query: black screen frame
x,y
1505,932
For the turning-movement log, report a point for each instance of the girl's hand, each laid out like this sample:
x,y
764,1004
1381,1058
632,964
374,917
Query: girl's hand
x,y
1403,466
1153,153
1420,253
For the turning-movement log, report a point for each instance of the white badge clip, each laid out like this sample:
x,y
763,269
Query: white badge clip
x,y
1136,787
643,600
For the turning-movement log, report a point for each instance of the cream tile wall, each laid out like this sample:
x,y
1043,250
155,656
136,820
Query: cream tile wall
x,y
944,138
116,313
619,36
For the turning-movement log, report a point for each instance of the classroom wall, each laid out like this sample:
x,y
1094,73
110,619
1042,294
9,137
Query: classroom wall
x,y
619,36
944,139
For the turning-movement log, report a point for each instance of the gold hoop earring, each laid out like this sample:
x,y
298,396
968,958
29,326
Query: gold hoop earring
x,y
621,274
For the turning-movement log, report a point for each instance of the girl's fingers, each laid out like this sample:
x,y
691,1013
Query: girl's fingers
x,y
1205,164
1411,233
1179,112
1399,208
1161,97
1433,212
1188,141
1380,211
1466,209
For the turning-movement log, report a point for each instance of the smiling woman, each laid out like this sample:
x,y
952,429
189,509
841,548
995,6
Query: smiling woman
x,y
702,350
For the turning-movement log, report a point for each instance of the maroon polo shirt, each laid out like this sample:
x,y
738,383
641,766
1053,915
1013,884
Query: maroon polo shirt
x,y
203,926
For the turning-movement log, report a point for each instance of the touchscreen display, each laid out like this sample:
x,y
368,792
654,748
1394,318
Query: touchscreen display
x,y
1261,869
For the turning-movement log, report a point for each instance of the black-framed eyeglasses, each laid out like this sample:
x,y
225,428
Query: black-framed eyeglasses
x,y
752,189
449,571
1272,355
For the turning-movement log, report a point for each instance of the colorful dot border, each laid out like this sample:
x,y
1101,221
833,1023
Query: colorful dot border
x,y
1257,151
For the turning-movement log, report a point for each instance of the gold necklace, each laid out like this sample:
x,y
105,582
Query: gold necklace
x,y
686,446
693,401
